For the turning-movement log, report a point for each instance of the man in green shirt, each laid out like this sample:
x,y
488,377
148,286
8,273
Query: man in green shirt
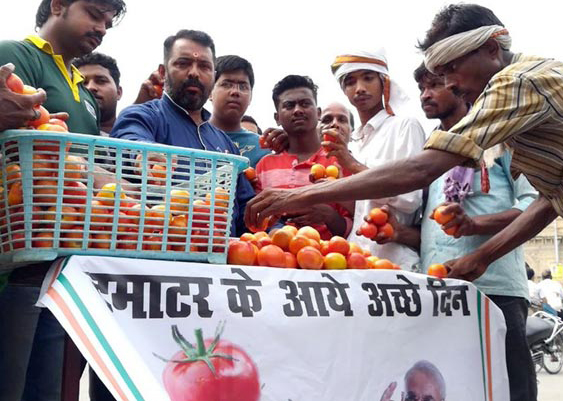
x,y
67,29
231,95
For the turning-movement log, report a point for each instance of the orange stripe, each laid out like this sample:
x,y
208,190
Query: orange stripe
x,y
387,94
89,346
58,270
488,347
357,59
499,33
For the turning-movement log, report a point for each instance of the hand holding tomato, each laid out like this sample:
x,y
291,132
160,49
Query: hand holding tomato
x,y
335,145
156,167
386,235
212,369
454,220
16,108
151,88
275,139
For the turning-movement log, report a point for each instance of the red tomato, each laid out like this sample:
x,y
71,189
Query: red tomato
x,y
438,270
58,121
14,83
234,379
158,89
44,117
368,230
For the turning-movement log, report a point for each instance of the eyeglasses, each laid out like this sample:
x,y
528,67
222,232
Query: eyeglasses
x,y
228,85
413,397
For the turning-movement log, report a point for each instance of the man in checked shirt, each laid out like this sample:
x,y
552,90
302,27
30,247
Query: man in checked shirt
x,y
517,100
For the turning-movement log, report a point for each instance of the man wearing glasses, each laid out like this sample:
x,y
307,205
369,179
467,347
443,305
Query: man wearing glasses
x,y
231,95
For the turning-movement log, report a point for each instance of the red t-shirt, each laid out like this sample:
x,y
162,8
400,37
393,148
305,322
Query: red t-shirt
x,y
285,171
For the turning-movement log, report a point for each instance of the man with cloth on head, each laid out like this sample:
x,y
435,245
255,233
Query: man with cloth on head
x,y
516,99
382,137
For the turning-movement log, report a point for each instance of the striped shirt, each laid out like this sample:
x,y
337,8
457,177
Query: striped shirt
x,y
285,171
521,105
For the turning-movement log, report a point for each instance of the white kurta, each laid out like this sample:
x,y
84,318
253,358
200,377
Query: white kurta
x,y
382,139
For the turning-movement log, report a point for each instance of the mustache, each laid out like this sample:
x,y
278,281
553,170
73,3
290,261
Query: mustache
x,y
429,103
94,34
192,82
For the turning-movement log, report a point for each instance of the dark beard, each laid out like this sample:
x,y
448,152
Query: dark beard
x,y
186,100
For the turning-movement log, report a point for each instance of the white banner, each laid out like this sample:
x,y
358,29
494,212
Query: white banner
x,y
299,335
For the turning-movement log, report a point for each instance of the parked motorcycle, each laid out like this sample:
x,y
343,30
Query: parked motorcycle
x,y
545,338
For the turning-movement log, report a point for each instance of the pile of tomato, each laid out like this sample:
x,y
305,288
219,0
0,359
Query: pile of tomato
x,y
289,247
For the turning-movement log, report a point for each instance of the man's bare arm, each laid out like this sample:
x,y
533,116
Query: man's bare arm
x,y
390,179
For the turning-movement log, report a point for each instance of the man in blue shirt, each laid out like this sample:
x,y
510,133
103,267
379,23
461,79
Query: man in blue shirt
x,y
178,118
231,95
479,215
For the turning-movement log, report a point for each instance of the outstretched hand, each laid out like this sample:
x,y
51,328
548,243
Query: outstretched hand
x,y
469,267
272,202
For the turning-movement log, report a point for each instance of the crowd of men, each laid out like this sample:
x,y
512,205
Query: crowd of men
x,y
495,159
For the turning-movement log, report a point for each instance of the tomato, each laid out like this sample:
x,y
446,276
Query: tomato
x,y
438,270
158,89
58,121
14,83
210,373
43,120
368,230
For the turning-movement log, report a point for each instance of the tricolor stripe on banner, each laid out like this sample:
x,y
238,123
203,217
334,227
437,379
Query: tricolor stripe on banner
x,y
484,320
79,332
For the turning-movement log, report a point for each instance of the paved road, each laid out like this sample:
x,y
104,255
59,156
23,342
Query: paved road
x,y
550,387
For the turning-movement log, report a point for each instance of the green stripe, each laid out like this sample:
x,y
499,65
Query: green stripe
x,y
107,348
481,343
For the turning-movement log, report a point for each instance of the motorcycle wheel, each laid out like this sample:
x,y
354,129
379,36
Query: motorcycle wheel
x,y
553,361
537,359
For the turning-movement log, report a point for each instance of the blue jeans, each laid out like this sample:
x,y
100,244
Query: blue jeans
x,y
521,372
31,348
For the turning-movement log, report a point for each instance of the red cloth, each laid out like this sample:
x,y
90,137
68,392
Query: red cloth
x,y
285,171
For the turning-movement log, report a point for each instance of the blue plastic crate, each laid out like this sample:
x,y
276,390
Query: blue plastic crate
x,y
55,216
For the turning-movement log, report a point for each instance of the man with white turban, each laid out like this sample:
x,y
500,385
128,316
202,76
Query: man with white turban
x,y
383,136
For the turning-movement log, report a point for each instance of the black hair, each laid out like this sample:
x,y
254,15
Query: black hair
x,y
199,37
421,72
231,63
292,82
44,10
530,272
249,119
457,18
100,59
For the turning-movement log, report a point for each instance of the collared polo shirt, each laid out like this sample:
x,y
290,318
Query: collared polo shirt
x,y
285,171
37,65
